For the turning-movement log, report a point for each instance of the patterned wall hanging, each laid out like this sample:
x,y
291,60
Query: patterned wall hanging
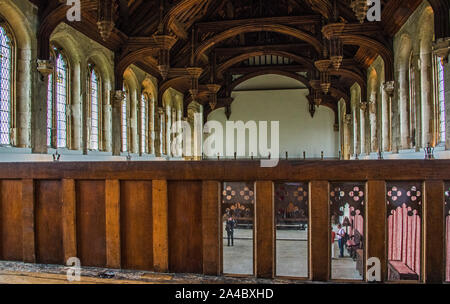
x,y
291,202
404,193
238,199
351,194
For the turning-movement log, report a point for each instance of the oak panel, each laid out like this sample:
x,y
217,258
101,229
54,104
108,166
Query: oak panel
x,y
211,228
11,220
160,226
91,223
319,231
264,229
376,224
136,225
185,226
434,232
49,235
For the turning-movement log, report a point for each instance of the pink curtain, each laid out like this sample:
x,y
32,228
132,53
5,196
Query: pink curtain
x,y
358,222
405,238
448,248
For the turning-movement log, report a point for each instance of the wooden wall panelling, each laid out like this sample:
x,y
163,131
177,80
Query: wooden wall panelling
x,y
28,228
265,245
434,232
185,226
11,247
112,203
160,235
319,231
136,225
211,227
69,219
48,221
394,170
91,222
376,224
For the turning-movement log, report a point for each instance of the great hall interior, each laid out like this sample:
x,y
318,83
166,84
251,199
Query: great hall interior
x,y
92,162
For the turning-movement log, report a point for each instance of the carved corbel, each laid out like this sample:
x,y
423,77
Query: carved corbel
x,y
45,68
389,88
441,48
117,98
164,44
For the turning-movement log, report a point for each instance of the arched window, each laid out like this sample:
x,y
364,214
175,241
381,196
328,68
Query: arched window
x,y
412,101
144,115
125,120
94,108
57,94
441,100
6,49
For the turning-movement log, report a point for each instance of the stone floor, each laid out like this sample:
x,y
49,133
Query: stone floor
x,y
291,255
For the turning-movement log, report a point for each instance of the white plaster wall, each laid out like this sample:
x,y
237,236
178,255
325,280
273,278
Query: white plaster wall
x,y
298,131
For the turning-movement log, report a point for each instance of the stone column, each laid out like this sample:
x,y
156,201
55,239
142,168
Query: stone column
x,y
426,99
373,123
388,94
39,108
356,138
24,86
168,119
158,130
362,115
151,127
347,135
117,99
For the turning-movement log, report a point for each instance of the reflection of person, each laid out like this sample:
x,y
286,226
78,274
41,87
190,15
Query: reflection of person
x,y
340,237
333,238
230,224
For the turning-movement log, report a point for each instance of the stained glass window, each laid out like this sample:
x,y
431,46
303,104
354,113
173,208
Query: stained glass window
x,y
441,101
124,122
5,87
144,123
49,110
94,110
61,101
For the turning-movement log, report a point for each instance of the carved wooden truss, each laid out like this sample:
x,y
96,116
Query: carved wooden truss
x,y
231,40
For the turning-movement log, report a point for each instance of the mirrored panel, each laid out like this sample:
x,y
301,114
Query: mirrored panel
x,y
291,220
447,231
404,216
347,214
237,209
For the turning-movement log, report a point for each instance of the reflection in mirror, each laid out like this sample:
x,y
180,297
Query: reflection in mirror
x,y
237,210
347,212
291,220
404,212
447,231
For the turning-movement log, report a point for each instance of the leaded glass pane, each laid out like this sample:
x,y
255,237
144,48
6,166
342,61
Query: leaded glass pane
x,y
94,110
144,124
61,101
49,110
5,88
441,84
124,122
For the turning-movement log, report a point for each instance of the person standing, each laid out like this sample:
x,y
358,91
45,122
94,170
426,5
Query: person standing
x,y
230,224
340,236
